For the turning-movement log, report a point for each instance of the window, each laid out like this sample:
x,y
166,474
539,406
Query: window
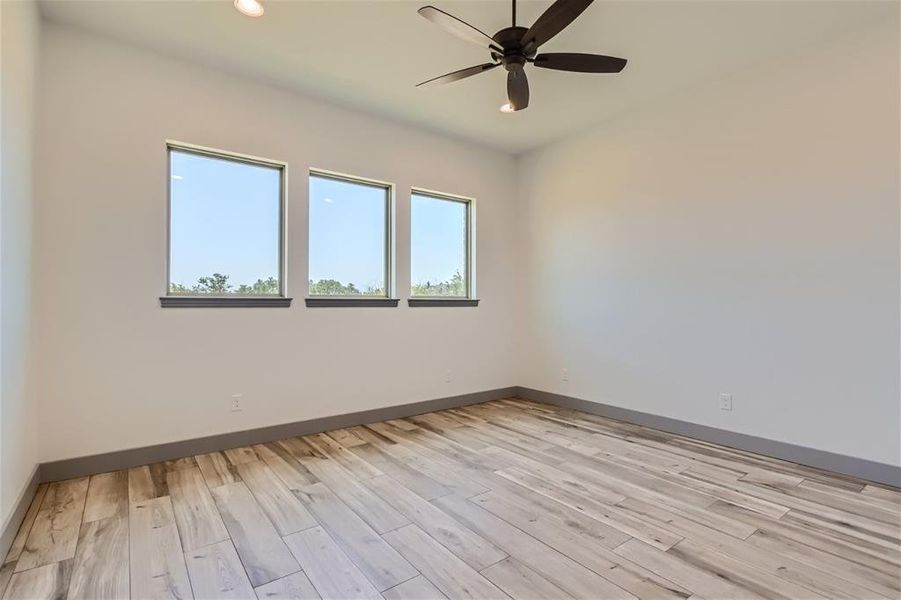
x,y
350,238
225,227
440,246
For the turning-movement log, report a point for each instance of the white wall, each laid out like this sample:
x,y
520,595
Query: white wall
x,y
19,32
741,238
117,371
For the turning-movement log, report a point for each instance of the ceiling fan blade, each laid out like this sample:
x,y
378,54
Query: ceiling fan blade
x,y
560,14
458,27
517,89
461,74
581,63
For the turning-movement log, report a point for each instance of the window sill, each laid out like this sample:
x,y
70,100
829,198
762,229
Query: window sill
x,y
347,302
219,302
442,302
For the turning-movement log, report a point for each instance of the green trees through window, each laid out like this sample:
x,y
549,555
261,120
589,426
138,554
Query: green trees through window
x,y
218,284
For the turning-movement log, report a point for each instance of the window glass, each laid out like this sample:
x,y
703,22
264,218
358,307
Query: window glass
x,y
225,225
439,246
348,237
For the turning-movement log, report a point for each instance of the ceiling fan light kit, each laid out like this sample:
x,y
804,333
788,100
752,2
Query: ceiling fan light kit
x,y
251,8
514,47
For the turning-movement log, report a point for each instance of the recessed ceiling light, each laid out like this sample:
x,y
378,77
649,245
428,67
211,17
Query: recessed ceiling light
x,y
507,108
251,8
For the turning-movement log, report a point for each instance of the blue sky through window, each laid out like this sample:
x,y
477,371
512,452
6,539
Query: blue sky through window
x,y
347,232
437,240
224,219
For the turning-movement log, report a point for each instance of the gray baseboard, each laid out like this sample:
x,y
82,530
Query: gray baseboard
x,y
821,459
14,521
124,459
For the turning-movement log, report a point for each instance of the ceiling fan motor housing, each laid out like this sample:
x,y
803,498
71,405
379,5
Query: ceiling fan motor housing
x,y
514,55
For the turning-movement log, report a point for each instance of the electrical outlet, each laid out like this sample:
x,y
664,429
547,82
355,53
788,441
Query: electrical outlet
x,y
237,403
448,376
564,374
725,401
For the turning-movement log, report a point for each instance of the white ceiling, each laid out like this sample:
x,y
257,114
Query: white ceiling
x,y
369,55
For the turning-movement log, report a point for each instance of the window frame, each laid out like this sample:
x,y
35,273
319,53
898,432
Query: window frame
x,y
469,277
232,300
389,299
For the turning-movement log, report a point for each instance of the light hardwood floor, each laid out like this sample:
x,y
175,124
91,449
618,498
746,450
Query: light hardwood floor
x,y
503,499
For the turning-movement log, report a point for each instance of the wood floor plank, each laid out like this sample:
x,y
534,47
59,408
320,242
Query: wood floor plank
x,y
346,438
767,463
565,573
381,564
700,538
107,496
256,540
881,546
451,479
216,469
485,437
676,521
282,507
418,588
851,498
520,582
588,551
893,496
448,573
886,585
293,474
199,523
18,543
710,584
475,551
609,515
770,478
101,570
758,581
156,560
793,499
49,582
424,459
187,462
417,481
216,572
335,451
54,534
298,448
556,477
146,483
236,456
447,450
370,507
296,586
553,512
514,441
819,551
330,570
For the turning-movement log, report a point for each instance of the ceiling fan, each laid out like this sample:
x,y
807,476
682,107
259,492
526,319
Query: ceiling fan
x,y
514,47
